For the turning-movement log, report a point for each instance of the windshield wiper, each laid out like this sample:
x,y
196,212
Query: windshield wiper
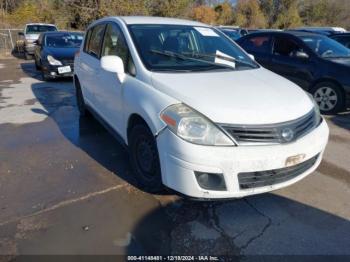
x,y
183,57
229,59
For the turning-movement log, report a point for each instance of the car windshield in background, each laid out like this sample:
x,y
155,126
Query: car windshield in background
x,y
233,34
37,29
187,48
326,47
63,40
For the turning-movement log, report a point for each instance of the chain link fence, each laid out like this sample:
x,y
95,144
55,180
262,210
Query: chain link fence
x,y
10,41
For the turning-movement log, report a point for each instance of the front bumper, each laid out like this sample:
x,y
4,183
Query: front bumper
x,y
29,48
180,159
52,71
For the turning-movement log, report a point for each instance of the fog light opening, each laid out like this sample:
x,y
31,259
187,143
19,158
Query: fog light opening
x,y
53,73
211,181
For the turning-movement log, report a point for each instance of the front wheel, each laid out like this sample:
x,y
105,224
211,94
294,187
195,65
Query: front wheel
x,y
45,77
37,66
329,97
144,158
27,56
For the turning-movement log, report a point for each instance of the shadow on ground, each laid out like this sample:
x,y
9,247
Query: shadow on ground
x,y
261,225
342,120
59,103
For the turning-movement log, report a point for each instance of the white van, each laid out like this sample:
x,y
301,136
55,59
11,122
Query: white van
x,y
198,114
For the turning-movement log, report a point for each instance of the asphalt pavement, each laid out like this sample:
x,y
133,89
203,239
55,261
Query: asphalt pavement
x,y
66,187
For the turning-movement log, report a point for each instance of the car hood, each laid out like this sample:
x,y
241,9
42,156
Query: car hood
x,y
238,97
61,53
32,36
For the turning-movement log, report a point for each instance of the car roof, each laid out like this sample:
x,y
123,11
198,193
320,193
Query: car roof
x,y
340,34
61,32
41,24
129,20
291,32
325,28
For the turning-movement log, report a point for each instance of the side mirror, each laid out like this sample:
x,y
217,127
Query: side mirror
x,y
20,33
114,64
301,54
252,57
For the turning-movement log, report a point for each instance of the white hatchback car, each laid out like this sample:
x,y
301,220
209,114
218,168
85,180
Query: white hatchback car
x,y
198,114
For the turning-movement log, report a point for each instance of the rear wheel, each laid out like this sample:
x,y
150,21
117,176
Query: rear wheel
x,y
329,97
144,158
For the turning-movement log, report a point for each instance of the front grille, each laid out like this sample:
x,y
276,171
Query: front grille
x,y
275,176
272,134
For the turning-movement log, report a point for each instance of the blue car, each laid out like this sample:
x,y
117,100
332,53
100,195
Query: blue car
x,y
54,53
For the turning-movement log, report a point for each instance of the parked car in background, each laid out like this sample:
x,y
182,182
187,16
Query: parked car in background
x,y
197,113
322,30
233,32
54,53
343,38
327,31
315,62
31,34
263,30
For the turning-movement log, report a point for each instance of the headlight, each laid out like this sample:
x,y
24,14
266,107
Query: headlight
x,y
193,127
53,61
318,118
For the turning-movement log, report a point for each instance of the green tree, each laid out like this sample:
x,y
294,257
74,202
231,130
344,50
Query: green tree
x,y
288,14
268,9
171,8
204,14
224,13
248,14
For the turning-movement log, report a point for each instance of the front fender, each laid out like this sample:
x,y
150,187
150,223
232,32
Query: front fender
x,y
147,102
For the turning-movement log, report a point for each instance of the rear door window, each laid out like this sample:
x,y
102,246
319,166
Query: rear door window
x,y
95,41
258,44
286,47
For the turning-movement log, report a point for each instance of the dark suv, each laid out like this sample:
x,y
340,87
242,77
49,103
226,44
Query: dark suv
x,y
315,62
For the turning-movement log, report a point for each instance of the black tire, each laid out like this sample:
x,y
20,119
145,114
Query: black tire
x,y
27,56
37,66
80,100
144,159
329,97
45,77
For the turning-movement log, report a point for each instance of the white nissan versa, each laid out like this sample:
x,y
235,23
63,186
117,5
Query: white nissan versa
x,y
198,114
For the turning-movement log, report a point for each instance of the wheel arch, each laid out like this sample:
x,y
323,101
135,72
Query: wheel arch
x,y
327,79
136,118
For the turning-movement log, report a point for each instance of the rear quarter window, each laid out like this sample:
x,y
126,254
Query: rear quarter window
x,y
95,39
257,44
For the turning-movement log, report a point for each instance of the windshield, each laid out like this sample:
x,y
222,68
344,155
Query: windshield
x,y
233,34
37,29
63,40
187,48
326,47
